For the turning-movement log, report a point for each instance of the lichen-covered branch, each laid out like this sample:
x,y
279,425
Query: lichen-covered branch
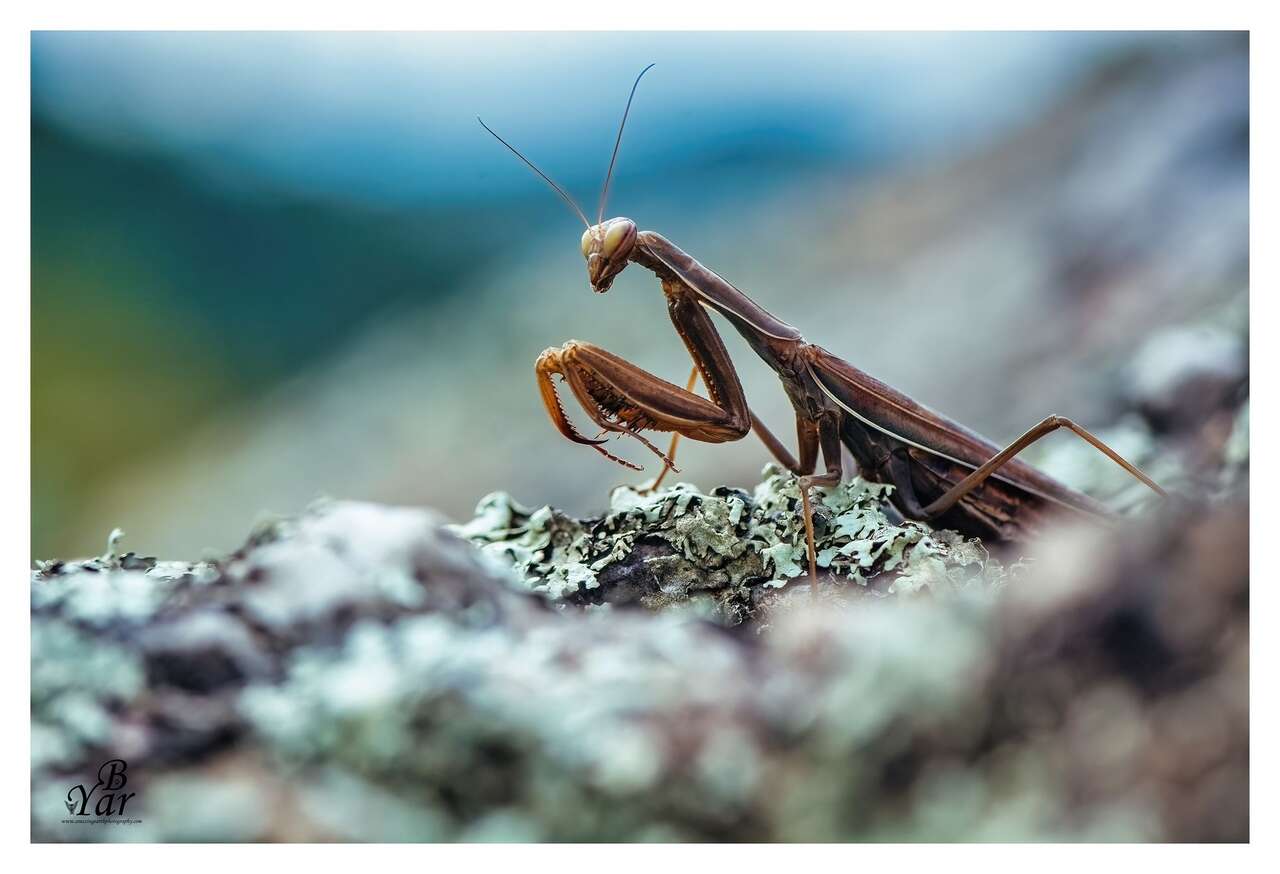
x,y
728,553
362,673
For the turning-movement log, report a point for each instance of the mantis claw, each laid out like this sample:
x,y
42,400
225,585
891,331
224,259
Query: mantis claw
x,y
553,362
545,367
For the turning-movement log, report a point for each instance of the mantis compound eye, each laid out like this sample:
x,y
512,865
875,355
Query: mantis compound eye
x,y
607,246
619,231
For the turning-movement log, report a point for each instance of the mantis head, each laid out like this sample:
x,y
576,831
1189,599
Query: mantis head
x,y
607,248
607,245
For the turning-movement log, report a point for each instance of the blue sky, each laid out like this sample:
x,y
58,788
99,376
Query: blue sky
x,y
391,117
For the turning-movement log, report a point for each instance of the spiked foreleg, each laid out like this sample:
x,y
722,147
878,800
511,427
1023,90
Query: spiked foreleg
x,y
625,399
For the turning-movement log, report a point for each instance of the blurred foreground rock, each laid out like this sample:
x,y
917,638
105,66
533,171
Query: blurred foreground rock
x,y
363,673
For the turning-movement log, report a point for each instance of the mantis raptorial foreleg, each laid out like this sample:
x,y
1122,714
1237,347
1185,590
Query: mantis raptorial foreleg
x,y
623,398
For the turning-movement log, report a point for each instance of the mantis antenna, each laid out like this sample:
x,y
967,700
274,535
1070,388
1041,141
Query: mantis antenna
x,y
560,191
608,177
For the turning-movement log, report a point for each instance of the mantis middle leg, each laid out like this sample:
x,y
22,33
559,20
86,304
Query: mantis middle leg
x,y
810,435
825,433
671,448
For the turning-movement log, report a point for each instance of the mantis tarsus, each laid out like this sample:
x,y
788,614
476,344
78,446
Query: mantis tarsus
x,y
942,472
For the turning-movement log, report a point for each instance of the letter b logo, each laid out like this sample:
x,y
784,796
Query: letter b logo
x,y
111,775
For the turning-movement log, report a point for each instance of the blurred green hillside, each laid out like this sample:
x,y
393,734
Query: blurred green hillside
x,y
158,298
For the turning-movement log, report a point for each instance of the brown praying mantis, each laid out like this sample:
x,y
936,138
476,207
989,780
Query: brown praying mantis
x,y
942,472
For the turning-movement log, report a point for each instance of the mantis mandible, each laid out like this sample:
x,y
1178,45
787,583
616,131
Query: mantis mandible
x,y
942,472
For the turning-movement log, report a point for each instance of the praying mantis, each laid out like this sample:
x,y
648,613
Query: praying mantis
x,y
942,472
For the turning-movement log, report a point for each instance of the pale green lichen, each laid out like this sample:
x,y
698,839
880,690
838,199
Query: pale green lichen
x,y
473,712
82,668
727,542
111,587
76,679
620,716
1235,455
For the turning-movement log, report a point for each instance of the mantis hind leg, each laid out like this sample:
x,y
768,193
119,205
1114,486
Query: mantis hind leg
x,y
949,498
